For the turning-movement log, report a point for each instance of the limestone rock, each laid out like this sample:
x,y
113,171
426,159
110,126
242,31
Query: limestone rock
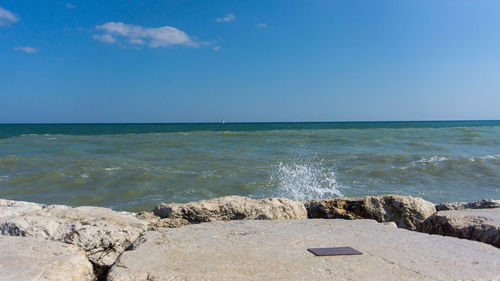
x,y
11,209
406,211
480,204
277,250
481,225
233,208
23,258
102,233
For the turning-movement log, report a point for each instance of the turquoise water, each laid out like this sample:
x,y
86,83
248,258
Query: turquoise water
x,y
135,166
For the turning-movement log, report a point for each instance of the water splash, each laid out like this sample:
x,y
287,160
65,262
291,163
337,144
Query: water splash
x,y
304,180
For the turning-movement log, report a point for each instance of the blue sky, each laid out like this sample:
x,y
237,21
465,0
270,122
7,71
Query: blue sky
x,y
200,61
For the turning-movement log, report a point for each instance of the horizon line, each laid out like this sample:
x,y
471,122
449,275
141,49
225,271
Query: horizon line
x,y
247,122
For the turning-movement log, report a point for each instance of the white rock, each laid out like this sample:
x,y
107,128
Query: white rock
x,y
23,258
102,233
11,209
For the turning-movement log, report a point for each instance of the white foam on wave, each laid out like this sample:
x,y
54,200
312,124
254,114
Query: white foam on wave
x,y
304,181
4,178
486,157
491,157
112,168
433,160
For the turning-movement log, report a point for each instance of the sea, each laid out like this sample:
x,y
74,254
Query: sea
x,y
133,167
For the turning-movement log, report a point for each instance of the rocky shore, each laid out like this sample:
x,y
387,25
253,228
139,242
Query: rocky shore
x,y
267,239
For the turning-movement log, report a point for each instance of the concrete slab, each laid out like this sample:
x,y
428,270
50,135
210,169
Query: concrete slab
x,y
277,250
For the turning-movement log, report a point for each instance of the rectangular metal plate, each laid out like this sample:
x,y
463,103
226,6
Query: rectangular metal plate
x,y
338,251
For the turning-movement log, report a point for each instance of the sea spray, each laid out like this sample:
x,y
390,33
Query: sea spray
x,y
304,180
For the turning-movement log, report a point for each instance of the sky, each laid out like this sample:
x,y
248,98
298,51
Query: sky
x,y
89,61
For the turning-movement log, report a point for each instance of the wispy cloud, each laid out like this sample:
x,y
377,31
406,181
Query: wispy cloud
x,y
106,38
70,6
261,25
216,48
7,17
28,50
154,37
136,41
226,18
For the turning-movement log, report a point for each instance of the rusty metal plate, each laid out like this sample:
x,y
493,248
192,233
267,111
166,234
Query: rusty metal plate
x,y
338,251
